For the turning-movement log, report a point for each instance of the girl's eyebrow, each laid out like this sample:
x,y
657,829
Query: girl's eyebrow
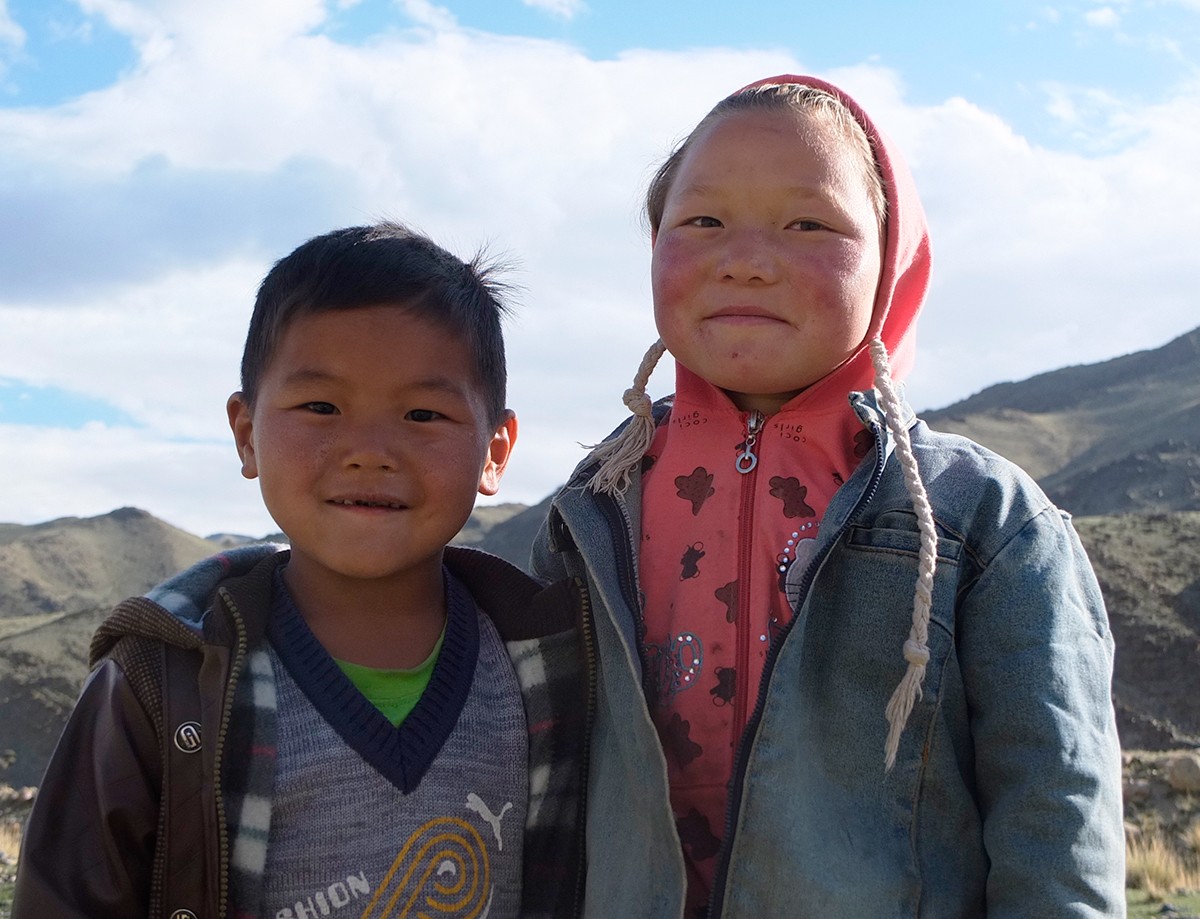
x,y
815,190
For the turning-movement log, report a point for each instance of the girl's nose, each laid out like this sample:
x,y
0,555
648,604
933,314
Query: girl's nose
x,y
747,259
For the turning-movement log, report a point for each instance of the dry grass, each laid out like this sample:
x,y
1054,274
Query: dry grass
x,y
10,838
1191,837
1155,865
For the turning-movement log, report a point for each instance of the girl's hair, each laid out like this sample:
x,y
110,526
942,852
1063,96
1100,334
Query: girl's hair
x,y
807,101
617,459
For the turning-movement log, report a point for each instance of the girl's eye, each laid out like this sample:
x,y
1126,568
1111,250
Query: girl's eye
x,y
321,408
704,222
423,414
808,225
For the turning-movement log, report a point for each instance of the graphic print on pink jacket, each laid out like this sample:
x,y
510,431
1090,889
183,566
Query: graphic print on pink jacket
x,y
731,500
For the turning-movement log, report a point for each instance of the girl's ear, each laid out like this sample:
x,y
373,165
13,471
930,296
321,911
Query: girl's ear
x,y
499,450
241,422
653,238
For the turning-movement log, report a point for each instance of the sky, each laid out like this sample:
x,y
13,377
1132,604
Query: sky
x,y
157,156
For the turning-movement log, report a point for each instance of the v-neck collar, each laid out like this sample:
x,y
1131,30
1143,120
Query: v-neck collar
x,y
401,755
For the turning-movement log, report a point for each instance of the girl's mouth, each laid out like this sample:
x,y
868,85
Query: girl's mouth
x,y
744,315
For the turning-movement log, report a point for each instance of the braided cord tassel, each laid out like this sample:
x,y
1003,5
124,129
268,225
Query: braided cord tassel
x,y
916,651
620,456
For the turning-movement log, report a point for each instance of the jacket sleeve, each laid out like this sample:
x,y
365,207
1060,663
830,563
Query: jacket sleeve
x,y
1037,656
89,845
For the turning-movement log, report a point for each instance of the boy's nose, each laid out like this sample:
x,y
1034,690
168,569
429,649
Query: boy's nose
x,y
368,447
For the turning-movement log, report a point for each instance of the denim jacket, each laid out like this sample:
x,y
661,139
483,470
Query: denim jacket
x,y
1005,799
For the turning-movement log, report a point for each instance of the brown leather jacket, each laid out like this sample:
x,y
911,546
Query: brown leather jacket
x,y
129,820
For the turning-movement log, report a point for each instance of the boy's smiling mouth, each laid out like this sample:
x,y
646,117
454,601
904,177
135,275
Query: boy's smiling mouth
x,y
369,502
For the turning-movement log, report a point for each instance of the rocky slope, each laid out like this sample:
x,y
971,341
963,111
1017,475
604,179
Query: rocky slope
x,y
1107,438
1148,566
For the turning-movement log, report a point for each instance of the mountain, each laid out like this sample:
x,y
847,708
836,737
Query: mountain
x,y
483,521
512,538
71,564
1107,438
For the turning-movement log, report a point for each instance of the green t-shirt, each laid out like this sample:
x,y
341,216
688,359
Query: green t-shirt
x,y
393,692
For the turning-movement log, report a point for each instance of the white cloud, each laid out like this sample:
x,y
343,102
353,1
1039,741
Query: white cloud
x,y
1103,18
83,473
243,130
12,36
567,9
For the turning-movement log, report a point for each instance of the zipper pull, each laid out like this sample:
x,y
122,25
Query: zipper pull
x,y
747,460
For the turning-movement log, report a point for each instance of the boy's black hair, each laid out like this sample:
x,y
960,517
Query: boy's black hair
x,y
379,265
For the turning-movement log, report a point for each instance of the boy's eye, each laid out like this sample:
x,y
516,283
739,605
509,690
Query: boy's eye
x,y
321,408
704,222
808,225
423,414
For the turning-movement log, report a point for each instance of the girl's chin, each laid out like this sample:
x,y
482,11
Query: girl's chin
x,y
767,402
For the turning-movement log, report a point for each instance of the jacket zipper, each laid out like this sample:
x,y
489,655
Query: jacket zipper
x,y
623,543
747,465
239,660
587,630
737,783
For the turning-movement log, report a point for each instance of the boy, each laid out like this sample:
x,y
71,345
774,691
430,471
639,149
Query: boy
x,y
371,724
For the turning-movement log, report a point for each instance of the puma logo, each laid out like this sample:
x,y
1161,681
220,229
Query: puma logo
x,y
475,803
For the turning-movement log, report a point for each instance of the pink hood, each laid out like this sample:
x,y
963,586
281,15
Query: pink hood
x,y
904,279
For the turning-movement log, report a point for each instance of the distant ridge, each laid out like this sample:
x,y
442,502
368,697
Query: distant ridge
x,y
74,563
1118,436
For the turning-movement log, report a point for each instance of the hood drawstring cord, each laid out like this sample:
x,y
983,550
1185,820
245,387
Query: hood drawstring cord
x,y
916,651
621,455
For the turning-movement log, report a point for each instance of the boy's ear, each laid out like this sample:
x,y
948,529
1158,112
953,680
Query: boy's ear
x,y
499,450
241,422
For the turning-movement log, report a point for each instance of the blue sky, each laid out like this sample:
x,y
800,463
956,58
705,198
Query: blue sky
x,y
157,155
1001,55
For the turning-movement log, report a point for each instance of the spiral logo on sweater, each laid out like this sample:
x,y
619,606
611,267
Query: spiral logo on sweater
x,y
441,872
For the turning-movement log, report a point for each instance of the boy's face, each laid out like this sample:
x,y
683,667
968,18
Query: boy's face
x,y
767,258
370,438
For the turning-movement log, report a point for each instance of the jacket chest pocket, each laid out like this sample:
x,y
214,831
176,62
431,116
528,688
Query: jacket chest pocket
x,y
860,612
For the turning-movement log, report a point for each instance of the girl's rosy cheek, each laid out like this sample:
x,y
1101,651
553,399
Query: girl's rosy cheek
x,y
673,270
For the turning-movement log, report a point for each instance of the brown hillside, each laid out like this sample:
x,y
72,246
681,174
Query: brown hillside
x,y
1113,437
41,672
1148,566
72,564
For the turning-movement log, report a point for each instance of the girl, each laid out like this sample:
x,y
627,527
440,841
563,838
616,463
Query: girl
x,y
848,666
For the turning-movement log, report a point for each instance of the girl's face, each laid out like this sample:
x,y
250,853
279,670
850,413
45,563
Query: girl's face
x,y
767,258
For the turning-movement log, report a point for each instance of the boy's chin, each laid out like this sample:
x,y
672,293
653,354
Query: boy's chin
x,y
363,565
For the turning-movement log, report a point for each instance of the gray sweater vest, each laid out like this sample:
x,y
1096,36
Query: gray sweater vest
x,y
379,822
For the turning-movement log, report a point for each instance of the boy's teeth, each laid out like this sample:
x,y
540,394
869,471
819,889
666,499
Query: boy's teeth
x,y
352,503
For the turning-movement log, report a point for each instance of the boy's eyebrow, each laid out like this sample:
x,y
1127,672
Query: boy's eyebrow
x,y
309,376
444,384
